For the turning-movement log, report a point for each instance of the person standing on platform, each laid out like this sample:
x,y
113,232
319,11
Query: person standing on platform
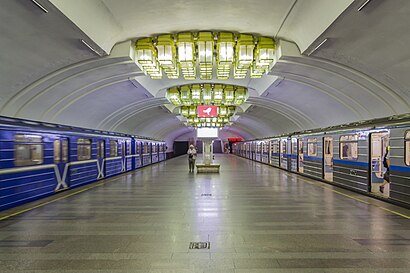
x,y
386,164
191,157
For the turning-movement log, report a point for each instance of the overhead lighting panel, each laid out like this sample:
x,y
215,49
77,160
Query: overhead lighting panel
x,y
40,6
363,5
317,47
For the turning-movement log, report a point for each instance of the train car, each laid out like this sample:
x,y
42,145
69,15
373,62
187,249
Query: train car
x,y
39,159
351,156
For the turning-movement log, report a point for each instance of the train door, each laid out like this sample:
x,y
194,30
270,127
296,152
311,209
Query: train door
x,y
258,151
124,156
328,158
284,153
294,155
275,152
100,158
128,158
138,154
378,147
61,155
300,155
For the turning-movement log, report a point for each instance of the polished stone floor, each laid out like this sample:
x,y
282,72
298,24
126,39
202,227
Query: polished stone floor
x,y
256,218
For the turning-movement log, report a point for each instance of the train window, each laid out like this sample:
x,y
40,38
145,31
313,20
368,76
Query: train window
x,y
83,149
312,147
64,150
57,144
101,149
348,147
407,152
28,150
113,148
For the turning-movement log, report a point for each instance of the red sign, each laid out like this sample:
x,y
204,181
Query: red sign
x,y
234,139
205,111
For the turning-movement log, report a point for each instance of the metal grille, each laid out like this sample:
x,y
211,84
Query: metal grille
x,y
199,245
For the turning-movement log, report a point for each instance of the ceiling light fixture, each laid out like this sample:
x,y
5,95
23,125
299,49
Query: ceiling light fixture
x,y
91,48
207,105
317,47
207,51
363,5
40,6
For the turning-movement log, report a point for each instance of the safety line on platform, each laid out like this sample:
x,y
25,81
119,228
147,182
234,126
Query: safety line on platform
x,y
71,194
360,200
49,202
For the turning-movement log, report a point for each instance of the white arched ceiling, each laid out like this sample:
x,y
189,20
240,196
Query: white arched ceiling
x,y
351,77
110,21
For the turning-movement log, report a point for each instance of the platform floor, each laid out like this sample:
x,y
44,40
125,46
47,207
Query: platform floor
x,y
258,219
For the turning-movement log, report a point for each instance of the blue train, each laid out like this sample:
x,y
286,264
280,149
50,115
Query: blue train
x,y
39,159
349,155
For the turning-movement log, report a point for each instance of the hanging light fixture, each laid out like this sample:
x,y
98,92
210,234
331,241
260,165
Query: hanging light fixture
x,y
205,45
183,52
185,95
146,53
173,96
265,52
196,93
229,95
244,55
240,95
167,55
264,57
186,58
218,94
207,94
225,49
218,100
147,58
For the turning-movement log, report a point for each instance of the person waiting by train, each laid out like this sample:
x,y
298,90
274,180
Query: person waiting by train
x,y
191,157
386,175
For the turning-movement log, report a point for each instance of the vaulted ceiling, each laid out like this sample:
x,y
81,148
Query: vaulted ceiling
x,y
48,74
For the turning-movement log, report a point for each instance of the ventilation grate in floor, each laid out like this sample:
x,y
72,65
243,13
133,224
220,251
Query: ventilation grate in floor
x,y
199,245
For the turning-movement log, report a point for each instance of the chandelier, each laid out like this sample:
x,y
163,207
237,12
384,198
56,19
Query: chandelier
x,y
207,105
225,52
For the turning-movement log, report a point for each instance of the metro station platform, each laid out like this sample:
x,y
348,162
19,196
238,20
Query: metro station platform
x,y
250,218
